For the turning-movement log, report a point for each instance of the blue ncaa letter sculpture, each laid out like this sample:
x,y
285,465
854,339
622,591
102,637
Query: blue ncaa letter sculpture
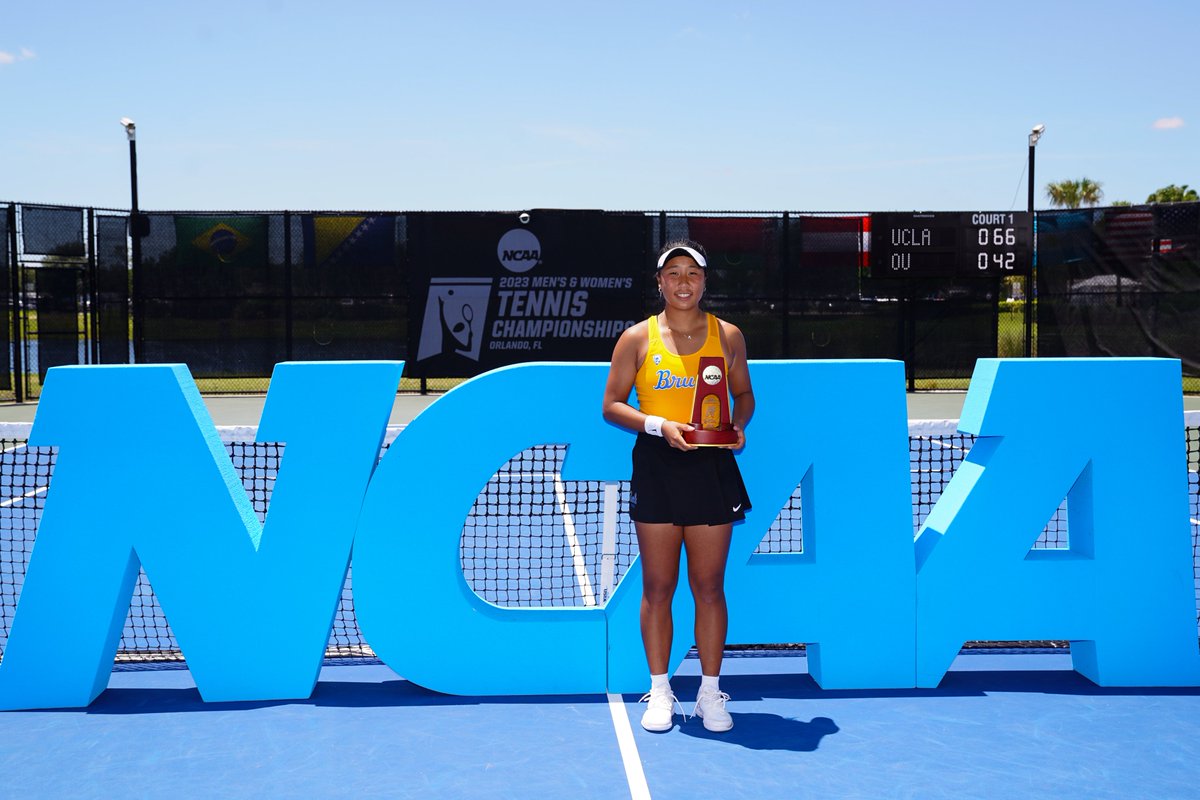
x,y
142,478
1104,435
837,430
413,604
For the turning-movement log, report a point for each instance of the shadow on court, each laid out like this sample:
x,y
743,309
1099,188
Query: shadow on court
x,y
328,694
998,726
755,730
759,731
957,683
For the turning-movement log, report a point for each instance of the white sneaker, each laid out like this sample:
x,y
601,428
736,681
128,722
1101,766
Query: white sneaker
x,y
660,712
710,706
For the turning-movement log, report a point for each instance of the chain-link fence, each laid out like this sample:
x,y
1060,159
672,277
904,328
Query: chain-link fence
x,y
232,294
1121,281
453,294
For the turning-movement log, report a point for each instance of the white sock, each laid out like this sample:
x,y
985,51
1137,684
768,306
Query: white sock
x,y
660,683
708,682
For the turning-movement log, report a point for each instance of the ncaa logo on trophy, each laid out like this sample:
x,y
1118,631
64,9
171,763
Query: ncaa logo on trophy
x,y
710,407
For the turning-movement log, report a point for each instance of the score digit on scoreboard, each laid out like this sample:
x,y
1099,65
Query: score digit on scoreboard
x,y
951,245
996,243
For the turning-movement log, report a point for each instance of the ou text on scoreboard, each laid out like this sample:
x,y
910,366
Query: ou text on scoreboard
x,y
958,244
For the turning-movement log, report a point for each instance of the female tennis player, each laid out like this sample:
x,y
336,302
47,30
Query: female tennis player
x,y
680,494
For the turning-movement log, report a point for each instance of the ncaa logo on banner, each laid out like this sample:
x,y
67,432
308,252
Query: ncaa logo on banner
x,y
519,250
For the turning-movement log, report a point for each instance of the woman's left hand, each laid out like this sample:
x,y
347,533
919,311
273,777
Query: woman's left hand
x,y
673,432
741,440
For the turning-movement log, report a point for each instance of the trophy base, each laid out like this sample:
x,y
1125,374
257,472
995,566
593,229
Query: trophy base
x,y
722,437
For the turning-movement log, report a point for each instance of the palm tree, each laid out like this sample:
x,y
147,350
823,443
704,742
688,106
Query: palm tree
x,y
1173,194
1090,192
1064,194
1073,194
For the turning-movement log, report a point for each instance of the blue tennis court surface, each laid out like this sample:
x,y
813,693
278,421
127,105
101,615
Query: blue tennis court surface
x,y
999,726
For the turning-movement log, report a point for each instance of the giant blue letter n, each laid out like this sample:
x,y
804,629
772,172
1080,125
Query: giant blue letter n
x,y
165,496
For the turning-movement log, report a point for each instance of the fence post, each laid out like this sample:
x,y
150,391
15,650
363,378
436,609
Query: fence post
x,y
785,259
287,282
1030,291
909,315
92,317
18,315
138,307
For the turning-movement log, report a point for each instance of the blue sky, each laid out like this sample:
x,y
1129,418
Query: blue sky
x,y
850,106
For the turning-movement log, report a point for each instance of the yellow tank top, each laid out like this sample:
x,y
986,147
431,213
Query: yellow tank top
x,y
666,382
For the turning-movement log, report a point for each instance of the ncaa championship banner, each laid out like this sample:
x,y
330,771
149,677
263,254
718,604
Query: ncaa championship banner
x,y
488,290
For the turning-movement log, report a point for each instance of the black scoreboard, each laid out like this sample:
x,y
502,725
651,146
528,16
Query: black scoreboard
x,y
951,244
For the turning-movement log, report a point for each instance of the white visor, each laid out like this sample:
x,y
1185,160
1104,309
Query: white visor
x,y
695,254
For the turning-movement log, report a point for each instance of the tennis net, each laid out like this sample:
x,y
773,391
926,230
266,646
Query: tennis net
x,y
531,538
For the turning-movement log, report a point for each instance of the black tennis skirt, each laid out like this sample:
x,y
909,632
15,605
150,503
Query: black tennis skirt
x,y
678,487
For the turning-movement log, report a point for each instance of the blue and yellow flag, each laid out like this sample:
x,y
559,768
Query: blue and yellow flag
x,y
349,241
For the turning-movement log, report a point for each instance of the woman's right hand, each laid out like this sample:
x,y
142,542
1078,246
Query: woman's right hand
x,y
673,433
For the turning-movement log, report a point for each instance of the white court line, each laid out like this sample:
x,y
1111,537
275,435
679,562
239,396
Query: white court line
x,y
14,500
581,573
560,490
947,446
15,449
608,541
634,774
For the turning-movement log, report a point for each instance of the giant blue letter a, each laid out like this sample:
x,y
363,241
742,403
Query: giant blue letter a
x,y
1104,435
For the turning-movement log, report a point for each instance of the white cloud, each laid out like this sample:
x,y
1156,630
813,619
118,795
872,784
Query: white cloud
x,y
300,145
11,58
1168,123
582,137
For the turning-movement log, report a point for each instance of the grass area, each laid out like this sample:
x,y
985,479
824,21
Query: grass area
x,y
232,385
259,385
217,386
1191,386
1010,330
941,384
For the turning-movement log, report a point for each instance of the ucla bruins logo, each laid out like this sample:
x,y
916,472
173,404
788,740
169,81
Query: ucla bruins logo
x,y
666,380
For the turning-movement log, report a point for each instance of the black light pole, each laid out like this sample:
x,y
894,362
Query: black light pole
x,y
135,233
1034,135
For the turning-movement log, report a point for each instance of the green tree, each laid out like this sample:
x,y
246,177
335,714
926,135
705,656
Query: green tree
x,y
1173,194
1073,194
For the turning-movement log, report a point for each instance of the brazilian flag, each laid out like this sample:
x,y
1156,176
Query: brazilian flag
x,y
221,241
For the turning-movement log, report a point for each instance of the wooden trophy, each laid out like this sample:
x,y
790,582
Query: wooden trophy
x,y
710,408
